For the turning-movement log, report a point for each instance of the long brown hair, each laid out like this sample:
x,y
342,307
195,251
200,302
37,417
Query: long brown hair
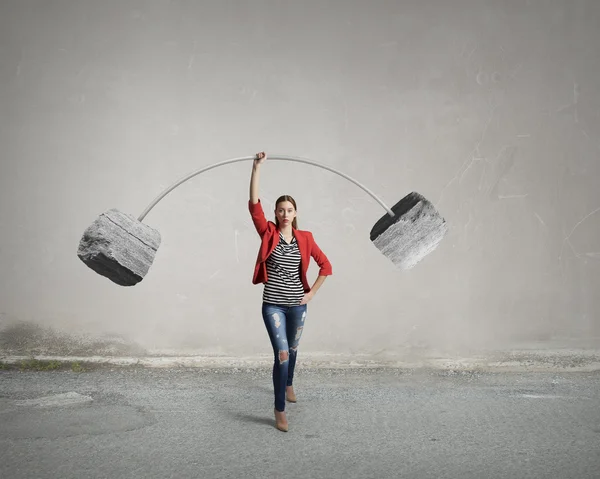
x,y
292,201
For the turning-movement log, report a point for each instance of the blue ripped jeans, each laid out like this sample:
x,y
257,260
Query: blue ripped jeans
x,y
284,325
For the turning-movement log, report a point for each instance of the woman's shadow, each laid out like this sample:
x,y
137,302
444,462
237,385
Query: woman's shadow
x,y
248,398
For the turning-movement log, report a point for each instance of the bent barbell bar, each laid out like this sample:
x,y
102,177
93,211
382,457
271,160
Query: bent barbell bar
x,y
247,158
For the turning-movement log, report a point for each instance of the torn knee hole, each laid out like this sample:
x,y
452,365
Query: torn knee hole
x,y
283,356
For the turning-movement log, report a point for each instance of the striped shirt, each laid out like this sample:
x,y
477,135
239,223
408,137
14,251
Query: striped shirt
x,y
283,271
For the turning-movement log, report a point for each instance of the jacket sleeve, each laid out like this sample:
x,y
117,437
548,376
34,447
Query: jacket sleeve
x,y
318,255
258,217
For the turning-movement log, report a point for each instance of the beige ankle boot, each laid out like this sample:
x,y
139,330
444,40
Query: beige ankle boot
x,y
289,394
282,424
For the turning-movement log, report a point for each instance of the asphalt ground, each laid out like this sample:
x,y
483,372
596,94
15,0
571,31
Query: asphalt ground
x,y
179,422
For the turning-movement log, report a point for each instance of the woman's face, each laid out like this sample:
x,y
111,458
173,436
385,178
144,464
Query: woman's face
x,y
285,213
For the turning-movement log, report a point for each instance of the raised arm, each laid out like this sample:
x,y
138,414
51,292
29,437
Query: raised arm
x,y
254,205
254,179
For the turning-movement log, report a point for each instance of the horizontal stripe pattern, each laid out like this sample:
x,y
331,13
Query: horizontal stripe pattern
x,y
283,285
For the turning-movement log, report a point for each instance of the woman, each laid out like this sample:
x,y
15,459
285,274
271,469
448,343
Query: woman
x,y
282,262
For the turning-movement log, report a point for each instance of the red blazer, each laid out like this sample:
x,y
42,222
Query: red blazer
x,y
270,239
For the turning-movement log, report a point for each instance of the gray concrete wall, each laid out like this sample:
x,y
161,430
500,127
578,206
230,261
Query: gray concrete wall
x,y
491,109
